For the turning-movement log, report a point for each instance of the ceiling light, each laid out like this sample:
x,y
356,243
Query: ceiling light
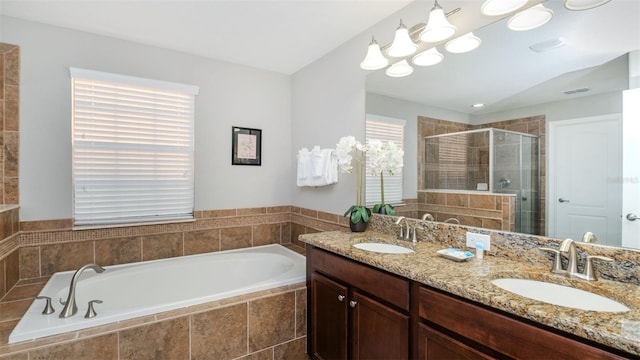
x,y
463,44
477,106
583,4
400,69
501,7
402,44
530,19
438,28
428,57
374,59
548,45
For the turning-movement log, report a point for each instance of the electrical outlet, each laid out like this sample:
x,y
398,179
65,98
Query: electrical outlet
x,y
473,238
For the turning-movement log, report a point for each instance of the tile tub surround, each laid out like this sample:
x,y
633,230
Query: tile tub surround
x,y
9,122
268,324
471,280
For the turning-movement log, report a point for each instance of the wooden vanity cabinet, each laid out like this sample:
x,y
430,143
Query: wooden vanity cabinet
x,y
475,332
356,312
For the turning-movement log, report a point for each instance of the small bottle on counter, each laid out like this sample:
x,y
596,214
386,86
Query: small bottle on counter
x,y
479,250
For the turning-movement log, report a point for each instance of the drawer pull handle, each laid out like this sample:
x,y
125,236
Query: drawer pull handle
x,y
353,303
341,298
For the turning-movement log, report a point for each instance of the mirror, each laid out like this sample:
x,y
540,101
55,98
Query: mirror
x,y
581,66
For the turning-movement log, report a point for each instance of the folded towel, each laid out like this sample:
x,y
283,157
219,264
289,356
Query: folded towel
x,y
317,167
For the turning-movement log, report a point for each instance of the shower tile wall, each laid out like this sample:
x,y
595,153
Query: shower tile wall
x,y
534,125
9,121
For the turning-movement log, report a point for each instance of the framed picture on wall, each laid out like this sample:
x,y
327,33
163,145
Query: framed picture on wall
x,y
246,146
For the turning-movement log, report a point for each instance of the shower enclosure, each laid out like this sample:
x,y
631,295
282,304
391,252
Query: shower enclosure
x,y
490,161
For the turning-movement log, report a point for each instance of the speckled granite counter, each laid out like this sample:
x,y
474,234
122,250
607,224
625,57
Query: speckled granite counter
x,y
472,280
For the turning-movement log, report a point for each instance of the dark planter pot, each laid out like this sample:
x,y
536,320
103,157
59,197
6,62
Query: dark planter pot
x,y
360,226
383,210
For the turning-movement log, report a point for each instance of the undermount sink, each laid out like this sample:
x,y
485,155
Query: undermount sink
x,y
560,295
383,248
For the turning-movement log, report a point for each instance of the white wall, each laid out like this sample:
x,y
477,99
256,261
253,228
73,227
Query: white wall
x,y
409,111
229,95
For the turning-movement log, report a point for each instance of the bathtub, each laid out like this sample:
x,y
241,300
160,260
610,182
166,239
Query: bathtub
x,y
150,287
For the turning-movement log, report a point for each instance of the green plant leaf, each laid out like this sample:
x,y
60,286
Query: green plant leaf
x,y
376,208
356,216
389,209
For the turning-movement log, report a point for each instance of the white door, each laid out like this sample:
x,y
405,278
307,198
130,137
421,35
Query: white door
x,y
585,191
631,172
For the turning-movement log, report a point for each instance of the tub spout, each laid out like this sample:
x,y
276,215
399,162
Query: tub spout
x,y
70,307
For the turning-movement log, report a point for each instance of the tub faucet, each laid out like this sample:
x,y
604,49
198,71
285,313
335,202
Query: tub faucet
x,y
70,307
428,216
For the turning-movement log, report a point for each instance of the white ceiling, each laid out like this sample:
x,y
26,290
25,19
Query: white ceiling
x,y
504,73
282,36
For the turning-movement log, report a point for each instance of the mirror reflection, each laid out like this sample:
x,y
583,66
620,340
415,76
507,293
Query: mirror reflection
x,y
558,86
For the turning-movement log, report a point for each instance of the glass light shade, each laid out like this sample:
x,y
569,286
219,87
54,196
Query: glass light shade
x,y
501,7
400,69
438,28
530,19
402,44
463,44
374,59
583,4
428,57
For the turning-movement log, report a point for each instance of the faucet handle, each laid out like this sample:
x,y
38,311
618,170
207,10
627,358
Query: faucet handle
x,y
48,308
588,272
557,260
91,312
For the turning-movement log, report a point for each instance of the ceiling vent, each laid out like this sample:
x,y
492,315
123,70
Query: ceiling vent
x,y
575,91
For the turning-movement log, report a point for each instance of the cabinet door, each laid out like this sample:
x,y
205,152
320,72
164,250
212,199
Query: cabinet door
x,y
378,332
434,345
328,318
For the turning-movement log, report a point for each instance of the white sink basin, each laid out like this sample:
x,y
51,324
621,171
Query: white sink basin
x,y
560,295
383,248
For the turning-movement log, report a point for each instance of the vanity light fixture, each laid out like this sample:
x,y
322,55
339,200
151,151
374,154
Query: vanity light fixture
x,y
501,7
583,4
399,69
438,28
402,44
374,59
531,18
428,57
463,44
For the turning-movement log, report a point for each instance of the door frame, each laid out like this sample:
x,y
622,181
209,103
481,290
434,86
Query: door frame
x,y
552,164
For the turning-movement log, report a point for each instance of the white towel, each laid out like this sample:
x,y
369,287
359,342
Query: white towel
x,y
318,167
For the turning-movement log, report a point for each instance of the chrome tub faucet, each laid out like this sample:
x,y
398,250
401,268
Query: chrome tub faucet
x,y
70,307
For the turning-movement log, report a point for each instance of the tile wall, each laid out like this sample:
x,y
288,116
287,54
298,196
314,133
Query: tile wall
x,y
9,121
531,125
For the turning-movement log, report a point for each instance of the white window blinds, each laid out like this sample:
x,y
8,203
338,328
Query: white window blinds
x,y
385,129
132,149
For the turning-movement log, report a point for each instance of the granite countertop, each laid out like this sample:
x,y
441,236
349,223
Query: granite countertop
x,y
472,280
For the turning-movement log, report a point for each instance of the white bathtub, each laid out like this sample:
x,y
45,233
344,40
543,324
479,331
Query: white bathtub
x,y
144,288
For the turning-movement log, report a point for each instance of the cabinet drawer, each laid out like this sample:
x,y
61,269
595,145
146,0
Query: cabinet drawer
x,y
508,336
387,287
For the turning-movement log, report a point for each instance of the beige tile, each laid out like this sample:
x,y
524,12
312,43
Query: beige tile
x,y
14,310
271,321
164,340
286,233
23,292
292,350
19,356
162,246
251,211
235,237
3,287
266,234
201,241
65,256
218,213
10,189
220,333
309,212
29,262
118,250
11,108
12,67
301,312
460,200
100,347
482,202
46,225
266,354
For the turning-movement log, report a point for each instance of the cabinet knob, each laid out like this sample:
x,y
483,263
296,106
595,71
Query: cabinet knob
x,y
353,303
341,298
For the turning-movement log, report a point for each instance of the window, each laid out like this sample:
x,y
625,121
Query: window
x,y
385,129
132,149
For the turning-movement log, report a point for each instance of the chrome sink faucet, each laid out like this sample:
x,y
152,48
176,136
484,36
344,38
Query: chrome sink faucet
x,y
70,307
569,246
427,216
398,221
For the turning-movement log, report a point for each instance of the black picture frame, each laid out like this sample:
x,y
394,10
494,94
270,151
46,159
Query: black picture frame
x,y
246,146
